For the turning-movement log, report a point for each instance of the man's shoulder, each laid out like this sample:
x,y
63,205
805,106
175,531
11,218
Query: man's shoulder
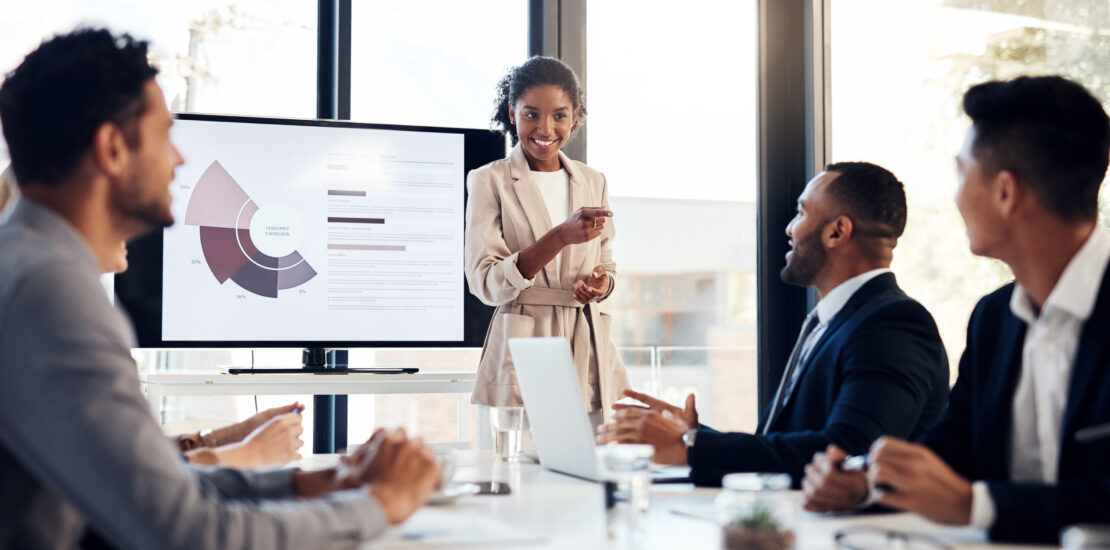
x,y
35,269
994,305
24,253
889,304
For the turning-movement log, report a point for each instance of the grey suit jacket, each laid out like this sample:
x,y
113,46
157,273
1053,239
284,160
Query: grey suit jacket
x,y
79,446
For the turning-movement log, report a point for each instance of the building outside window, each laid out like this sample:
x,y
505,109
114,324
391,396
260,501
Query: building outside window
x,y
672,125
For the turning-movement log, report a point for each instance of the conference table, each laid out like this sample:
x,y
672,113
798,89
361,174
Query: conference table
x,y
551,510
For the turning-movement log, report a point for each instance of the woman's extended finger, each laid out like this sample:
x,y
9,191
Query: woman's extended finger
x,y
595,212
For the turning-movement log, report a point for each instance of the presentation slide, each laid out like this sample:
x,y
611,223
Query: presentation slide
x,y
303,233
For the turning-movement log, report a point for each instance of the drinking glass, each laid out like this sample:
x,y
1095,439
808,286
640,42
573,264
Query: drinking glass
x,y
626,470
507,424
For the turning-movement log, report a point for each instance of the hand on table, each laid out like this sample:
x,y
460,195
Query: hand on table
x,y
358,468
352,472
406,473
688,415
273,443
593,288
917,480
663,431
235,433
827,489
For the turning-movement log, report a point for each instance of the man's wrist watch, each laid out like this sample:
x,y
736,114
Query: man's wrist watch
x,y
207,439
689,436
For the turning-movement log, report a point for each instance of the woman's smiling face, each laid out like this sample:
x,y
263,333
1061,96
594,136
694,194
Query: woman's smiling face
x,y
544,117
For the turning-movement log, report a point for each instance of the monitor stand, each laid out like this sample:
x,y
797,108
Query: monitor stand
x,y
330,420
324,361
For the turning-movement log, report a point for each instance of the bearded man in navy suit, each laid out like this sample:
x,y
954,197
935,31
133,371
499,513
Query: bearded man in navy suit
x,y
1024,447
868,361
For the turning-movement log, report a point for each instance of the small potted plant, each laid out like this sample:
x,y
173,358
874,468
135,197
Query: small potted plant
x,y
756,512
759,529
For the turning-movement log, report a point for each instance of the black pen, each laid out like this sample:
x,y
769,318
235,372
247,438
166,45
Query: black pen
x,y
1092,433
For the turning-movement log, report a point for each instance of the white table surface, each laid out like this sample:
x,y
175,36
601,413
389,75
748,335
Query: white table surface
x,y
569,513
157,385
221,383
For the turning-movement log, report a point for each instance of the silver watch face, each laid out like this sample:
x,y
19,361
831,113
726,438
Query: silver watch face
x,y
688,437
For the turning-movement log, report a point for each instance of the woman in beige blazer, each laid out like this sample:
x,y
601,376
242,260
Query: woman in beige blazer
x,y
538,240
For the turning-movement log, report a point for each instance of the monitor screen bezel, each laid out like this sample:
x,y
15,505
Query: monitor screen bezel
x,y
139,289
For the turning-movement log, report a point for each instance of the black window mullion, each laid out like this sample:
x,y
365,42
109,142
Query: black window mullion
x,y
785,164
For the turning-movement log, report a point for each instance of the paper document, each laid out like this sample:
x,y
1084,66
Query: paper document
x,y
442,528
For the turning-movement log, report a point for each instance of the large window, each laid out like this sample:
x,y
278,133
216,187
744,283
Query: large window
x,y
207,50
416,63
433,62
671,95
899,70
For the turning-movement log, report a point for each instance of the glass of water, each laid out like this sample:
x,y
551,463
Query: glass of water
x,y
627,472
507,424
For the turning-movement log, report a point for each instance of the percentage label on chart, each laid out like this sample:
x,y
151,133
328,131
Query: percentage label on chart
x,y
184,187
302,291
195,262
240,296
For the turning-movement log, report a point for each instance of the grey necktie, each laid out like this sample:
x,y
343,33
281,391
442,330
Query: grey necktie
x,y
788,376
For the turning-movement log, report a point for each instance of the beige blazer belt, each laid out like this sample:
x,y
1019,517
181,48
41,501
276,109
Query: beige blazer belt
x,y
583,333
543,296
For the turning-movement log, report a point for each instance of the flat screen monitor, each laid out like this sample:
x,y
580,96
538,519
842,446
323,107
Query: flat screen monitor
x,y
310,233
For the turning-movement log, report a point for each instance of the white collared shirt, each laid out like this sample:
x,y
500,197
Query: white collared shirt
x,y
830,305
1047,358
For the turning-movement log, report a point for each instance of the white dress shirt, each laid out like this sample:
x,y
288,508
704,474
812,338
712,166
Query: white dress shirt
x,y
555,188
1047,359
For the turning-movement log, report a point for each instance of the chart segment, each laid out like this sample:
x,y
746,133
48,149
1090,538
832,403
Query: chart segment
x,y
223,212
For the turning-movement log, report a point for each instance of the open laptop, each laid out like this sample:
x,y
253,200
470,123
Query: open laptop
x,y
560,425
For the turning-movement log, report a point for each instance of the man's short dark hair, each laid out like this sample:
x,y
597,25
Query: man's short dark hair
x,y
52,103
1050,132
871,196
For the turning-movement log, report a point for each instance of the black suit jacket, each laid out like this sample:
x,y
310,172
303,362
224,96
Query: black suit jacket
x,y
973,436
880,368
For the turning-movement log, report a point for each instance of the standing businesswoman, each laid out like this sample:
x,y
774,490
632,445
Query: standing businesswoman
x,y
539,234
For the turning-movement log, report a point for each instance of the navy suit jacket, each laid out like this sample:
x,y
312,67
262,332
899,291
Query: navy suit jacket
x,y
880,368
973,436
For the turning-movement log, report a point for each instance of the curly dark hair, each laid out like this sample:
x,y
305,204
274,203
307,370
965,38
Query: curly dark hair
x,y
537,71
1050,132
54,101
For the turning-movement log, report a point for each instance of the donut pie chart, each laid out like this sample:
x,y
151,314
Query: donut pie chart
x,y
223,212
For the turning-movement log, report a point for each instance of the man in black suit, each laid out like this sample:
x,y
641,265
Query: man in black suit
x,y
869,360
1024,447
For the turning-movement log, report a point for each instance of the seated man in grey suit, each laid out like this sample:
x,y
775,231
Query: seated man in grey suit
x,y
868,362
88,132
